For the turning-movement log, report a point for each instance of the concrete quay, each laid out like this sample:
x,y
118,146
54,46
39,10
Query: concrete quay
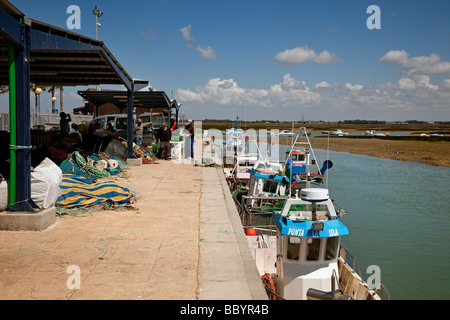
x,y
184,242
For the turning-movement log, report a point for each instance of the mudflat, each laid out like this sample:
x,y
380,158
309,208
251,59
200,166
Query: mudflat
x,y
435,153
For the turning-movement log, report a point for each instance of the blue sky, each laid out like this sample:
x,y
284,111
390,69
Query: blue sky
x,y
281,59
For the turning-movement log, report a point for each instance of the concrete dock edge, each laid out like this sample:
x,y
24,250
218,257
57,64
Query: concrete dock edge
x,y
226,266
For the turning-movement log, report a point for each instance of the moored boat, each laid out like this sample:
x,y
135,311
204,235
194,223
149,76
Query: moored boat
x,y
305,259
294,232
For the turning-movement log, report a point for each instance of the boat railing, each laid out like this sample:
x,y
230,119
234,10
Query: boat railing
x,y
349,259
382,292
352,262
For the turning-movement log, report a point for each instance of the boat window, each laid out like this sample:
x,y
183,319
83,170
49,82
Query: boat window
x,y
332,246
270,186
294,157
293,248
313,249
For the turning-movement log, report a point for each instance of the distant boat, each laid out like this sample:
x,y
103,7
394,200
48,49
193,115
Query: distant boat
x,y
286,133
338,132
373,133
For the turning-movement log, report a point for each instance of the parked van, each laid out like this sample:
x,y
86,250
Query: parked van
x,y
118,124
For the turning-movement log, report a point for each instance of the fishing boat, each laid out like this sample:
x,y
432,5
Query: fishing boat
x,y
271,182
338,133
374,133
294,232
234,144
305,258
286,133
243,162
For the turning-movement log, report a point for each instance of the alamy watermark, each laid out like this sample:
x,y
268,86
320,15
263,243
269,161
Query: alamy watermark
x,y
74,20
374,280
374,21
74,280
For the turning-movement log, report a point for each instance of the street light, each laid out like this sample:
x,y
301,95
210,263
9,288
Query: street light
x,y
54,110
38,91
97,14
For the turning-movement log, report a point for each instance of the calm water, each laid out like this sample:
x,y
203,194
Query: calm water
x,y
399,220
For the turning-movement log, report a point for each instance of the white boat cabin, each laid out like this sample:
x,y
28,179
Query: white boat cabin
x,y
308,241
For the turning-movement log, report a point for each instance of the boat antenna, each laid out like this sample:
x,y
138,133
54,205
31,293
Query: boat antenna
x,y
328,158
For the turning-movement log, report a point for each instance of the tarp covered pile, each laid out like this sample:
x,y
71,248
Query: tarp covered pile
x,y
74,183
79,192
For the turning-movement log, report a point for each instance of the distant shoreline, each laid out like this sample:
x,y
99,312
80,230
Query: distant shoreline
x,y
432,153
410,147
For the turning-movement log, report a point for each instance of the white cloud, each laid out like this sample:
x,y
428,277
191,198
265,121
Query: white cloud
x,y
431,64
206,52
322,84
303,54
408,98
353,87
186,33
326,57
406,84
417,82
446,84
224,92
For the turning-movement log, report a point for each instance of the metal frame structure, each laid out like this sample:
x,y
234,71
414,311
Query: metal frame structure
x,y
47,55
155,101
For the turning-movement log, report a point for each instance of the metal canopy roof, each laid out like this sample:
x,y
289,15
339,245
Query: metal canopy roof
x,y
156,100
58,57
47,55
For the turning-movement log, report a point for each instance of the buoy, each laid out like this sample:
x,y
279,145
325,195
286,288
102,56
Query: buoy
x,y
251,232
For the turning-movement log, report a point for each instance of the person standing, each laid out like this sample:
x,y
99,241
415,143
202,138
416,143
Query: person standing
x,y
138,132
173,125
64,123
163,135
191,129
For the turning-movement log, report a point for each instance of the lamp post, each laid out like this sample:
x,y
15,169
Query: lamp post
x,y
97,14
54,110
38,91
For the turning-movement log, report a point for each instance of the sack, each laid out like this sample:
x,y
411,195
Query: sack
x,y
45,181
3,195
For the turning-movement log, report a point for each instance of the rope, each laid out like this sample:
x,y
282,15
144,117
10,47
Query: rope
x,y
89,167
16,147
270,287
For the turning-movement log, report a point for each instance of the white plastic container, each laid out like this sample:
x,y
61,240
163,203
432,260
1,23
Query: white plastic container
x,y
314,194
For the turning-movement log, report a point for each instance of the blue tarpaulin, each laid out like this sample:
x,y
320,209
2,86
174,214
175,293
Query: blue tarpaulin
x,y
79,192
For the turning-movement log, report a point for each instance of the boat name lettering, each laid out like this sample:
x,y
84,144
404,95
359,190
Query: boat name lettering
x,y
296,232
333,232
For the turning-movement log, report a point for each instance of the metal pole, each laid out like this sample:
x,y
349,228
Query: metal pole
x,y
23,133
12,124
130,125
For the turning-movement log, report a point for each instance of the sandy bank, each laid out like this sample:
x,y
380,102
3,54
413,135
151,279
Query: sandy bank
x,y
432,153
